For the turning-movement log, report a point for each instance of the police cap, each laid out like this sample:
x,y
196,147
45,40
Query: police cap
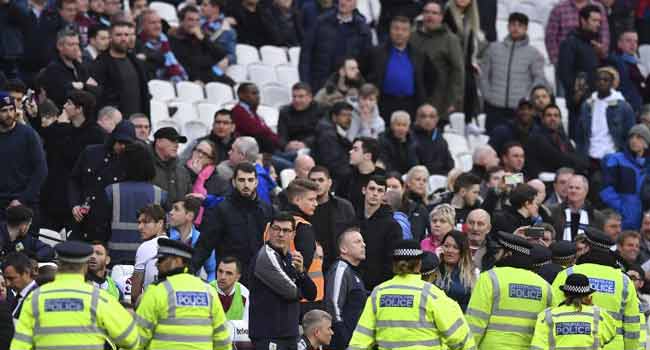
x,y
75,252
169,247
598,239
430,263
577,284
514,243
563,251
407,249
540,255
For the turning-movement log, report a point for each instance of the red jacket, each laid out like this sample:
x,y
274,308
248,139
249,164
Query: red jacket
x,y
248,123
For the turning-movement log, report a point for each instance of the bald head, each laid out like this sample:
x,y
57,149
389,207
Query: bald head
x,y
485,156
302,165
539,186
479,224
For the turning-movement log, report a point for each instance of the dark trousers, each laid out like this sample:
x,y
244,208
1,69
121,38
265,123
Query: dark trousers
x,y
389,104
290,343
495,116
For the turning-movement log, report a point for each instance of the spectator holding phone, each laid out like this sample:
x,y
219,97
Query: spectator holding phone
x,y
523,208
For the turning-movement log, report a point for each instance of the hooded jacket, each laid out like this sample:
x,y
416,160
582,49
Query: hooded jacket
x,y
380,232
358,128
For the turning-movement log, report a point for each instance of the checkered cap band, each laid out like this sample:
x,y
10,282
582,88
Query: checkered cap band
x,y
173,251
576,289
597,244
407,252
542,263
564,258
514,247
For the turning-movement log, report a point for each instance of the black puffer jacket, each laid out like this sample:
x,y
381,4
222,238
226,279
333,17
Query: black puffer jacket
x,y
299,125
433,152
380,233
332,150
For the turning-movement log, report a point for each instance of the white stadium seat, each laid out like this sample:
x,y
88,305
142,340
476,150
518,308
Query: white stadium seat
x,y
287,74
161,90
294,55
270,116
165,11
237,72
218,93
246,54
261,74
206,112
273,55
189,91
275,95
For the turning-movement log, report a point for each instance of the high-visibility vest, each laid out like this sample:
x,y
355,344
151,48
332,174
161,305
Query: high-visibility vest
x,y
315,270
69,313
406,312
182,312
644,344
615,294
504,306
565,327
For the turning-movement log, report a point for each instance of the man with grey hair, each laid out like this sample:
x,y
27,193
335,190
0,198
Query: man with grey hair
x,y
65,73
560,186
317,326
302,165
479,225
108,117
571,217
484,158
397,148
244,149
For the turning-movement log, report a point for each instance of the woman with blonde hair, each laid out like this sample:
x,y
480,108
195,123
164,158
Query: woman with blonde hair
x,y
456,272
441,221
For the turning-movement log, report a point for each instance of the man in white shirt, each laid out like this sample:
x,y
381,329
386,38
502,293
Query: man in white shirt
x,y
233,295
17,268
151,225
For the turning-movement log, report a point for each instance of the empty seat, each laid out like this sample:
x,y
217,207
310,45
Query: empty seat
x,y
167,123
294,55
457,143
644,55
165,11
275,95
237,72
161,90
246,54
436,182
207,111
273,55
218,93
195,129
50,237
261,74
185,112
286,176
457,123
189,91
158,112
270,116
464,161
287,74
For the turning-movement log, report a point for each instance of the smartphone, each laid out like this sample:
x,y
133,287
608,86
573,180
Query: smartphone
x,y
514,179
535,232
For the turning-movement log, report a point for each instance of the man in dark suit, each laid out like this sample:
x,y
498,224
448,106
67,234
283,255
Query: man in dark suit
x,y
399,70
17,269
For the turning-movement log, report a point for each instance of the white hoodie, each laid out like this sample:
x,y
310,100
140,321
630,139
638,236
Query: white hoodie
x,y
601,142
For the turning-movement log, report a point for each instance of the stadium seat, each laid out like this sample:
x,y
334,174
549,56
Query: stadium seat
x,y
169,122
436,182
287,74
161,90
457,143
186,112
644,53
294,55
457,123
189,91
273,55
237,72
159,111
246,54
218,93
195,129
270,116
166,12
464,161
261,74
275,95
286,176
50,237
206,112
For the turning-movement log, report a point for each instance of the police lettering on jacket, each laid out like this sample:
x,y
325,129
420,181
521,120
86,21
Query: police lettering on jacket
x,y
603,286
566,328
392,300
64,304
524,291
191,299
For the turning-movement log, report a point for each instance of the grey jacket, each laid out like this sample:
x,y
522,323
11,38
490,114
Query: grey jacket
x,y
173,177
509,71
443,49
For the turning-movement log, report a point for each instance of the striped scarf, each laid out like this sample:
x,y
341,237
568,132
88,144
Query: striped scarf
x,y
172,70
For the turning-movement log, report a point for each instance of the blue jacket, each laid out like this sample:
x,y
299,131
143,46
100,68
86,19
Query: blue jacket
x,y
404,223
328,42
265,184
124,200
620,118
210,265
623,178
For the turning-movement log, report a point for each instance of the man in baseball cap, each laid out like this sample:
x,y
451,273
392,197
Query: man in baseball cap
x,y
171,175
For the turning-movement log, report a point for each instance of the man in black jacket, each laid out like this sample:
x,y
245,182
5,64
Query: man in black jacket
x,y
332,147
63,141
97,167
297,122
17,269
235,226
432,149
399,70
332,216
278,280
201,58
121,75
523,210
397,148
380,232
65,74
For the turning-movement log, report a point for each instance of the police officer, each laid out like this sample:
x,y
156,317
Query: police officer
x,y
563,253
71,314
614,293
575,324
408,312
429,267
506,299
180,311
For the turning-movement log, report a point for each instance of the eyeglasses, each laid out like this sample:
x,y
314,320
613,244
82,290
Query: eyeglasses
x,y
203,153
276,229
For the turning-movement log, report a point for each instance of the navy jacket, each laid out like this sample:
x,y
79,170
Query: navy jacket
x,y
275,292
433,151
322,51
29,244
24,169
345,298
396,155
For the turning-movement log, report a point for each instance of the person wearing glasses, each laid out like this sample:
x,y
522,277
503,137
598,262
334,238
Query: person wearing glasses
x,y
142,126
203,175
222,134
278,281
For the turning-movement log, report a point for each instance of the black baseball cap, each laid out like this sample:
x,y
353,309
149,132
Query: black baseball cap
x,y
169,133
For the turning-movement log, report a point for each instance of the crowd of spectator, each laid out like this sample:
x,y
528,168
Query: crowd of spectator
x,y
366,133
